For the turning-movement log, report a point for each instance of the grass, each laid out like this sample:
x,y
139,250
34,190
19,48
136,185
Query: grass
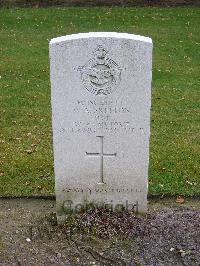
x,y
26,160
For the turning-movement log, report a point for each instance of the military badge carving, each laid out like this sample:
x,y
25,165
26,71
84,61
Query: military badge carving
x,y
100,75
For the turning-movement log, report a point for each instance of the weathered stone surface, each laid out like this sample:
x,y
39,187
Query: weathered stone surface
x,y
101,96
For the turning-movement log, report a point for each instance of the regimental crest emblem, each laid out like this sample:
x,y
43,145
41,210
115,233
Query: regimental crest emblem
x,y
100,75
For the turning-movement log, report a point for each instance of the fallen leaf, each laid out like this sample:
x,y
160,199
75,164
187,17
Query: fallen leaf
x,y
184,252
33,145
29,151
180,200
188,182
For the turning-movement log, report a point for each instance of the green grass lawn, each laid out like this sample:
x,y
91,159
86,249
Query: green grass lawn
x,y
26,159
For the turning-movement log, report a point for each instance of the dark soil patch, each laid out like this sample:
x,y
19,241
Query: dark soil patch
x,y
168,235
45,3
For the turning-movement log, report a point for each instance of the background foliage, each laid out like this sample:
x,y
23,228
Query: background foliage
x,y
44,3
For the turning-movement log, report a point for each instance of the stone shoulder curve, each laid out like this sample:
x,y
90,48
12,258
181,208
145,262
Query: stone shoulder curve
x,y
100,35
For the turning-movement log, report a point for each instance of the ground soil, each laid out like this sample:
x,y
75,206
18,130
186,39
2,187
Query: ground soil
x,y
168,235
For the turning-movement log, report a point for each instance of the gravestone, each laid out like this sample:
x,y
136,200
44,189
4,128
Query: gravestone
x,y
101,97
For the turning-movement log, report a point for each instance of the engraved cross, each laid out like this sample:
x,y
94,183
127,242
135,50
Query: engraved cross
x,y
101,154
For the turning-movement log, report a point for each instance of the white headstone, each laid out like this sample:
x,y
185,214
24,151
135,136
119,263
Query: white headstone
x,y
101,98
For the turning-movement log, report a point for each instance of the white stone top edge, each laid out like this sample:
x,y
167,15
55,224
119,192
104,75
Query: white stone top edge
x,y
101,35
